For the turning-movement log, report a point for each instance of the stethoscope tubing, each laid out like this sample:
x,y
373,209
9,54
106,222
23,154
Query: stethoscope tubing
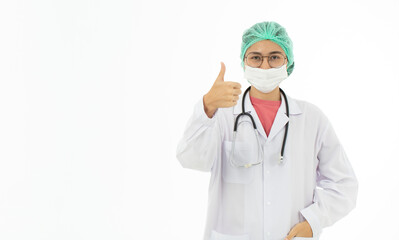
x,y
244,113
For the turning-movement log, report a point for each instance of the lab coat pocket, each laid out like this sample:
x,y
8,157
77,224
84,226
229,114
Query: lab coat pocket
x,y
219,236
243,153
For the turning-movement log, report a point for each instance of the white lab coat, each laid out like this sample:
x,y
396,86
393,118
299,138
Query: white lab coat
x,y
316,181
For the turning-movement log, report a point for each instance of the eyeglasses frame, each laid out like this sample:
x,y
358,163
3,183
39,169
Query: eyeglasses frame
x,y
268,58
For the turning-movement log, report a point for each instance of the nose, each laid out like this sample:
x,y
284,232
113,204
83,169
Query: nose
x,y
265,64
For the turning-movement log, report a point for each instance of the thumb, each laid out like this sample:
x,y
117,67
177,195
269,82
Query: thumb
x,y
221,73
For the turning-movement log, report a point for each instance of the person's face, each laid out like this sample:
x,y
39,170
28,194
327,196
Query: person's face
x,y
264,47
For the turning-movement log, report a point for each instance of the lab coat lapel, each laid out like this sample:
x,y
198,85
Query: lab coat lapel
x,y
280,120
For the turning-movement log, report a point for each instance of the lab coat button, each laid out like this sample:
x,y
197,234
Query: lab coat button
x,y
268,203
267,171
268,233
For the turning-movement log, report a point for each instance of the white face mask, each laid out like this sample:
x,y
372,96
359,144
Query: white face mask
x,y
265,80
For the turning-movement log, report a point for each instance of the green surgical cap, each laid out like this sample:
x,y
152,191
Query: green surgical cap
x,y
265,31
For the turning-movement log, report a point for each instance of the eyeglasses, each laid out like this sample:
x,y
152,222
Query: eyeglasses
x,y
275,60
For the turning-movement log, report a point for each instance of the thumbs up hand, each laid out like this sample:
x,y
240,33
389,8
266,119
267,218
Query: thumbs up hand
x,y
222,94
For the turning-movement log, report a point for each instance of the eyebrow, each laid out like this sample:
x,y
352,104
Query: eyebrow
x,y
269,52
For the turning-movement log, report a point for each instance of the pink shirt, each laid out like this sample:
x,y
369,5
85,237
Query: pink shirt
x,y
266,111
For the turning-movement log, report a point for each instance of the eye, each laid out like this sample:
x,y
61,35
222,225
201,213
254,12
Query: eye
x,y
275,57
255,57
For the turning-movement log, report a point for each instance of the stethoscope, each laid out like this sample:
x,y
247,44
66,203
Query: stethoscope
x,y
244,113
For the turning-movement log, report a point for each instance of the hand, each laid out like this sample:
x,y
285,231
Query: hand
x,y
222,94
301,229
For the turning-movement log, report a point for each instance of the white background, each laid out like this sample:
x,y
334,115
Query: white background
x,y
95,95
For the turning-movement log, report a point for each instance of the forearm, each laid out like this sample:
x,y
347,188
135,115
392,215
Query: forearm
x,y
200,143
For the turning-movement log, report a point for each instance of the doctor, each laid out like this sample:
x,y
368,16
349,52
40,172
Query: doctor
x,y
280,173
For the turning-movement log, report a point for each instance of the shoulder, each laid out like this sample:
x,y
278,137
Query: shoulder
x,y
311,112
308,107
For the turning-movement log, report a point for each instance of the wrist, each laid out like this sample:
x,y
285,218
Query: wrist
x,y
208,108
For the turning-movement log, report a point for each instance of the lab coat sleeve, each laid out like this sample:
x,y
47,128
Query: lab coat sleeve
x,y
337,186
201,142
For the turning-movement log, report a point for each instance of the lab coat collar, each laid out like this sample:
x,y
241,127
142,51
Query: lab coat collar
x,y
280,120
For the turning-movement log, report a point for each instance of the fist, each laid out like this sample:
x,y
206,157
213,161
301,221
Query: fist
x,y
222,94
